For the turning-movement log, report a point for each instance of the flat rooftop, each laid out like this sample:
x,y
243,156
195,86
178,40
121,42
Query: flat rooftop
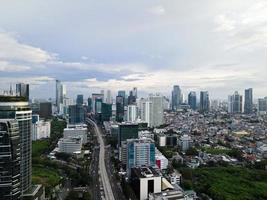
x,y
12,98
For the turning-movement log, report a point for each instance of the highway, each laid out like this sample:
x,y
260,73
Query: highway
x,y
105,182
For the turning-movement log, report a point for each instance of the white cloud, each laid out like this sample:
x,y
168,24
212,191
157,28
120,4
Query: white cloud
x,y
157,10
246,28
12,49
7,67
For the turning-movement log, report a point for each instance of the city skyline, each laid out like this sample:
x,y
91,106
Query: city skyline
x,y
152,45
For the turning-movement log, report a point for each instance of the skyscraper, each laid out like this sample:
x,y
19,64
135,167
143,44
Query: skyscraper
x,y
17,108
23,90
119,108
156,111
146,111
176,97
60,94
248,106
76,114
135,92
262,105
131,113
89,105
235,103
79,99
192,100
10,159
140,153
131,98
109,99
94,97
204,105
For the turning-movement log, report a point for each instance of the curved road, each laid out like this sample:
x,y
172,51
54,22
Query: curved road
x,y
102,167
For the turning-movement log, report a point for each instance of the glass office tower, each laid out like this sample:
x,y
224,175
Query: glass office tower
x,y
9,159
18,108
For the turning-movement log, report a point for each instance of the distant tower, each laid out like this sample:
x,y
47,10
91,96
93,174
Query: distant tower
x,y
156,110
204,101
192,100
22,90
79,100
109,99
131,113
135,92
248,107
176,97
235,103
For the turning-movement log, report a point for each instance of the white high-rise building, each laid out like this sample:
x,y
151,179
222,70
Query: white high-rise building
x,y
131,113
146,111
156,110
235,103
61,92
109,98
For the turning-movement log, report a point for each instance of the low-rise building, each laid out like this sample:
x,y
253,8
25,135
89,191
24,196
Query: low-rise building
x,y
70,145
76,131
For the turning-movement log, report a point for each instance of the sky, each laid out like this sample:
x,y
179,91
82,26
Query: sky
x,y
90,45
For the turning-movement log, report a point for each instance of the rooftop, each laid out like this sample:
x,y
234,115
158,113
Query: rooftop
x,y
12,98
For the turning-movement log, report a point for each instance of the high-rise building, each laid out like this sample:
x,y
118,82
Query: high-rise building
x,y
127,131
146,112
94,97
89,105
131,113
109,98
10,160
45,110
119,108
23,90
140,153
122,93
262,105
156,109
106,112
204,105
98,106
60,94
192,100
79,99
17,108
235,103
248,106
176,97
131,98
135,92
76,114
102,92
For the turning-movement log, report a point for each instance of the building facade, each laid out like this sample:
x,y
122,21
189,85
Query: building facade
x,y
17,108
192,100
204,104
248,106
10,160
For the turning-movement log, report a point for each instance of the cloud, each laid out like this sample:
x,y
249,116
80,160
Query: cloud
x,y
157,10
246,29
8,67
12,49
